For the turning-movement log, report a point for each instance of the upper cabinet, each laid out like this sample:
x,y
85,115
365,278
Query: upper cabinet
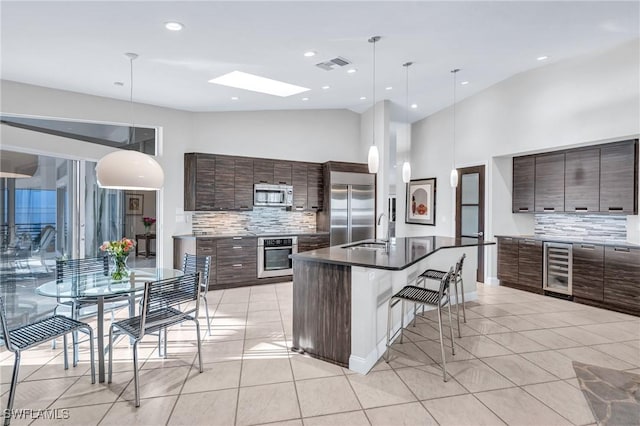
x,y
582,181
524,173
601,178
549,183
619,178
223,182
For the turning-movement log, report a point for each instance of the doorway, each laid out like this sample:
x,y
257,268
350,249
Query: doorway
x,y
470,208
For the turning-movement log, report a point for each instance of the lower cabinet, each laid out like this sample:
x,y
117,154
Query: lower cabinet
x,y
312,242
588,271
236,260
508,260
622,277
530,264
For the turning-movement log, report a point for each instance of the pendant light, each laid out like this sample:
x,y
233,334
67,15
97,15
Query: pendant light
x,y
17,165
373,160
126,169
453,178
406,166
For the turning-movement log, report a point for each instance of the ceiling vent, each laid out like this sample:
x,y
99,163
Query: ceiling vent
x,y
333,63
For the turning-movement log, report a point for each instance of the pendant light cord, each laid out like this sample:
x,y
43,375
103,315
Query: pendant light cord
x,y
455,72
407,65
132,132
373,127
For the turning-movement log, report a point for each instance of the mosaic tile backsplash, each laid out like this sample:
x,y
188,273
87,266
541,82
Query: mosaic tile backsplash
x,y
259,220
585,227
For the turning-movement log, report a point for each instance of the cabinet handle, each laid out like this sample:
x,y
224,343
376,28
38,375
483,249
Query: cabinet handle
x,y
588,247
623,249
523,209
549,209
237,238
237,265
237,248
529,241
582,209
314,207
615,209
508,239
263,181
282,183
299,207
244,207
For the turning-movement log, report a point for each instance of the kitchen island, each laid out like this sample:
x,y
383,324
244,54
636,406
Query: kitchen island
x,y
340,294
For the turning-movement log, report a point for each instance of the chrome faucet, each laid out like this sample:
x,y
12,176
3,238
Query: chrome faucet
x,y
387,242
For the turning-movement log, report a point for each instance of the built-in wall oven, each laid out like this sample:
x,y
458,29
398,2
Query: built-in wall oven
x,y
274,256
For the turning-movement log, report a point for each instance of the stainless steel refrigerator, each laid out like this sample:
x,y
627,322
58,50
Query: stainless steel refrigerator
x,y
352,207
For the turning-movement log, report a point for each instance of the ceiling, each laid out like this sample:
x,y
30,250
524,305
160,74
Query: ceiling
x,y
80,46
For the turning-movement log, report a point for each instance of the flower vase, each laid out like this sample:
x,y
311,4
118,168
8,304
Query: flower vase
x,y
147,229
120,268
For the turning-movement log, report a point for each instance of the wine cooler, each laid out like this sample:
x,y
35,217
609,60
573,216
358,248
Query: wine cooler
x,y
558,263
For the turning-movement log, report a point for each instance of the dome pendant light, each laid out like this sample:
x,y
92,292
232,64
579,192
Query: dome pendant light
x,y
453,178
126,169
406,166
373,160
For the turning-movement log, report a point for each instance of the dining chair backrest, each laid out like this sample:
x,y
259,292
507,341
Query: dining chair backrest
x,y
192,263
445,283
459,264
46,238
169,293
68,268
4,327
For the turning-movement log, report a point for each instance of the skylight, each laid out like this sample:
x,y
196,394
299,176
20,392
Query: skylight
x,y
255,83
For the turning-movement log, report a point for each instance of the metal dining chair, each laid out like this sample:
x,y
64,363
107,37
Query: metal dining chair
x,y
192,263
33,334
160,309
423,296
73,268
434,274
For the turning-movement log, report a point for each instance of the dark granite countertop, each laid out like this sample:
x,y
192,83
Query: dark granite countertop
x,y
248,234
404,253
560,239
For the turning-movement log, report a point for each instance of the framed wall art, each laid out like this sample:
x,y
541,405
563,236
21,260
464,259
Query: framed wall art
x,y
134,203
421,202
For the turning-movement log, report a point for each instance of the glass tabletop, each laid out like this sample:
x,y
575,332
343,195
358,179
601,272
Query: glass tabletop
x,y
99,285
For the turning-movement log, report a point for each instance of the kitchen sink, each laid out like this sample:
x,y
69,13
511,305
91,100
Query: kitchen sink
x,y
367,246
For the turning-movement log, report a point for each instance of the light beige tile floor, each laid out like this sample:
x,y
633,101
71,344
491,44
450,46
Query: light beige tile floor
x,y
512,366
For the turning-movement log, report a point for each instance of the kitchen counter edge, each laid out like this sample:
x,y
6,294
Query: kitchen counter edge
x,y
569,240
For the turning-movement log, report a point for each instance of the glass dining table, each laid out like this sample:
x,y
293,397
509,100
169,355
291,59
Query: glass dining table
x,y
99,288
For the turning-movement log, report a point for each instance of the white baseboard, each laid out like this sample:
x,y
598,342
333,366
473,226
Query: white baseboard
x,y
492,281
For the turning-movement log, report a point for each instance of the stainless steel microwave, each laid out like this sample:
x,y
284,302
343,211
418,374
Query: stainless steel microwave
x,y
272,195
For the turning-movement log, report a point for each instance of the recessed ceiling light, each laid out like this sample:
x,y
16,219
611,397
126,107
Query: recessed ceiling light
x,y
255,83
414,106
351,70
234,98
173,26
118,83
362,98
305,99
464,83
388,88
326,87
542,58
310,53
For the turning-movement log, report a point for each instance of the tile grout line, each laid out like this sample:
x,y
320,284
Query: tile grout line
x,y
246,321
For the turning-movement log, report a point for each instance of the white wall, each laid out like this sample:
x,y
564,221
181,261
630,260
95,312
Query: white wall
x,y
296,135
585,100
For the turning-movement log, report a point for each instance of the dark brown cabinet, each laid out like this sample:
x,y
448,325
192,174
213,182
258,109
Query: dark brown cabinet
x,y
582,181
243,184
588,271
622,277
263,170
508,260
619,178
224,184
236,260
549,183
312,242
299,182
523,184
199,167
315,184
207,247
282,173
530,264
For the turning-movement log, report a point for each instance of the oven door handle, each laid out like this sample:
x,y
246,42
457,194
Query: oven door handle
x,y
278,248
